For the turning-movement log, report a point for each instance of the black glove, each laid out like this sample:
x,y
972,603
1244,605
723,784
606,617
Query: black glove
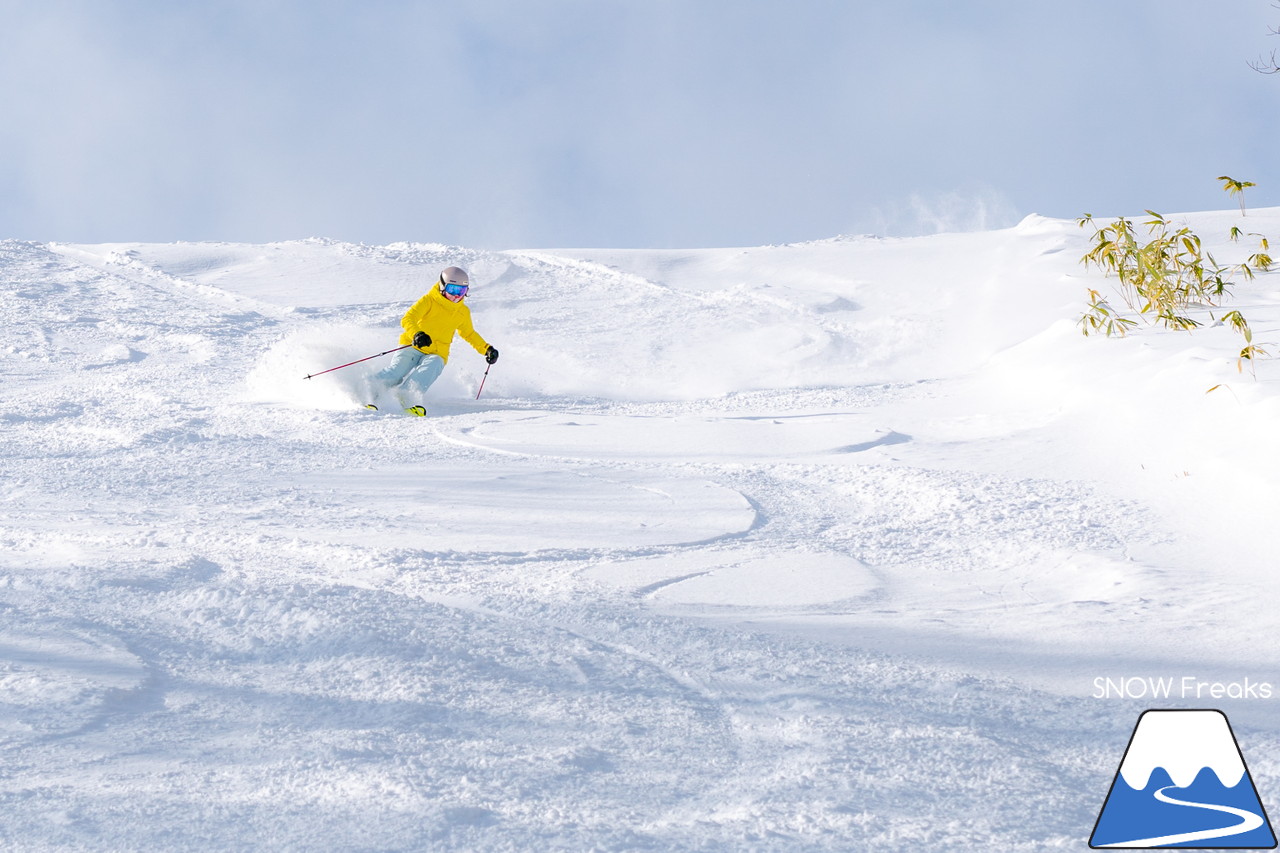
x,y
421,339
491,355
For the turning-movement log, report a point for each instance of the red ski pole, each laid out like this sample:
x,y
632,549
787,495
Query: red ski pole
x,y
482,379
357,361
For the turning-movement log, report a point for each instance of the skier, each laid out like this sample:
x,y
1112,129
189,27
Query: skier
x,y
429,326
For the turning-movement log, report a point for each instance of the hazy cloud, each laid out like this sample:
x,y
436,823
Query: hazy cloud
x,y
602,122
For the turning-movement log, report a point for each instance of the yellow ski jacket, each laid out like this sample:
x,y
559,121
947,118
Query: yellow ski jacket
x,y
440,318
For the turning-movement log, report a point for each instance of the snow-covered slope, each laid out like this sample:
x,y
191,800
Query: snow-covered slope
x,y
815,546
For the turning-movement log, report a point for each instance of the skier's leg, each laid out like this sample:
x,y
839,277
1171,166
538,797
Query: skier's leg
x,y
389,378
415,385
395,372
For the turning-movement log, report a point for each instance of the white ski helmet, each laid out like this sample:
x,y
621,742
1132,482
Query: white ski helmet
x,y
454,283
454,275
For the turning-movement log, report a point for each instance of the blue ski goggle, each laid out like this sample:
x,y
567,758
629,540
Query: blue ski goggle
x,y
452,289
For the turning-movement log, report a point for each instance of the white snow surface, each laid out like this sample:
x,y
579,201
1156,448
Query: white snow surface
x,y
802,547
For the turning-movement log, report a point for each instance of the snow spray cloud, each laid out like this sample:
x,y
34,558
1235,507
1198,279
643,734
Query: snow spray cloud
x,y
922,214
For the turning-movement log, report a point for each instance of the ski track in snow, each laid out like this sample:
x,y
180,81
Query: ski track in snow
x,y
772,610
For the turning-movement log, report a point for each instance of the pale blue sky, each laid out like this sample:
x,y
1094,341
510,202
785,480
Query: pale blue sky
x,y
575,123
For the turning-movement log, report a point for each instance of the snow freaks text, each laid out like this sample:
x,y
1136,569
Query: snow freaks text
x,y
1178,687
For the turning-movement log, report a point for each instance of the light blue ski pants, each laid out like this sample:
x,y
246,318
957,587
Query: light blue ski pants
x,y
413,372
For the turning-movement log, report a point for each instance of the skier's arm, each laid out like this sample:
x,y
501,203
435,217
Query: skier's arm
x,y
468,333
412,319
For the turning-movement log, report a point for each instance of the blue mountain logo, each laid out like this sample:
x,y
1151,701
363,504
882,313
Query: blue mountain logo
x,y
1183,784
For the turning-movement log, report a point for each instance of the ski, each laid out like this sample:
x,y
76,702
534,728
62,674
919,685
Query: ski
x,y
418,411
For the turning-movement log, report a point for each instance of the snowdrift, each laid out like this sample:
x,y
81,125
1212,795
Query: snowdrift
x,y
811,546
